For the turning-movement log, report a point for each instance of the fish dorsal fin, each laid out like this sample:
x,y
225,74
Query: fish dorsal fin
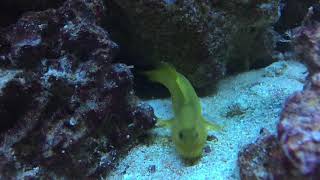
x,y
183,90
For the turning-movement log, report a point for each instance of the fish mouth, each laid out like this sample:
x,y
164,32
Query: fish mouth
x,y
190,154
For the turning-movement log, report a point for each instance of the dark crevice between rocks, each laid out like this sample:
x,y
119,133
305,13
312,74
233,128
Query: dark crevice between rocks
x,y
59,98
14,102
116,23
198,50
292,14
11,10
146,89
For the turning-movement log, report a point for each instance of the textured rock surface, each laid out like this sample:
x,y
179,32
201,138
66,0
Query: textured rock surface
x,y
295,153
264,159
204,40
299,126
66,108
307,40
299,131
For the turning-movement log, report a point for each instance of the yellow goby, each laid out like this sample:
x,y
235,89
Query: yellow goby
x,y
189,129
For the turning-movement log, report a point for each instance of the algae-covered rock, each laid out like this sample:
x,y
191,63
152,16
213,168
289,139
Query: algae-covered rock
x,y
204,40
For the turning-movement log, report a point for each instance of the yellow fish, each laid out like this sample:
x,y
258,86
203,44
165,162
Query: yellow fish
x,y
189,129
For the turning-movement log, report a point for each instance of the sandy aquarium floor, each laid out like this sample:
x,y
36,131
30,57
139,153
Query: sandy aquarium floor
x,y
243,104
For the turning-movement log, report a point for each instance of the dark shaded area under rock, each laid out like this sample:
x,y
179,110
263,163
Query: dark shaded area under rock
x,y
11,10
67,109
204,40
292,13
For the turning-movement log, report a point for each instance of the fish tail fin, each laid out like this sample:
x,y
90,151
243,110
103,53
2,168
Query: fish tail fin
x,y
164,74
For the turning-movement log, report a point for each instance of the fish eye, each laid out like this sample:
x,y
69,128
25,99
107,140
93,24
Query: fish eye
x,y
180,135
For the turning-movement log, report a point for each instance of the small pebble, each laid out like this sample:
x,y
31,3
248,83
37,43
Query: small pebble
x,y
207,149
315,79
152,168
212,138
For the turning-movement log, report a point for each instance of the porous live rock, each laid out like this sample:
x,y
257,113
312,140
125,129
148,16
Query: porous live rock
x,y
67,109
299,129
264,159
204,40
297,144
307,41
299,126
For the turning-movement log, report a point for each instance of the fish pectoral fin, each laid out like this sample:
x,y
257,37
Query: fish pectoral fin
x,y
164,123
212,126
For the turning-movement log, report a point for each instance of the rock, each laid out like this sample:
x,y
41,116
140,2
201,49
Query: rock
x,y
299,131
292,16
299,126
306,41
265,159
204,40
275,69
66,106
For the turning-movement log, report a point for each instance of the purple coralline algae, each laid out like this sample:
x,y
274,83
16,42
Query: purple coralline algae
x,y
299,126
265,160
299,130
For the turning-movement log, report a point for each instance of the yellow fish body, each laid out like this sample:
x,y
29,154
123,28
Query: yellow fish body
x,y
188,127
